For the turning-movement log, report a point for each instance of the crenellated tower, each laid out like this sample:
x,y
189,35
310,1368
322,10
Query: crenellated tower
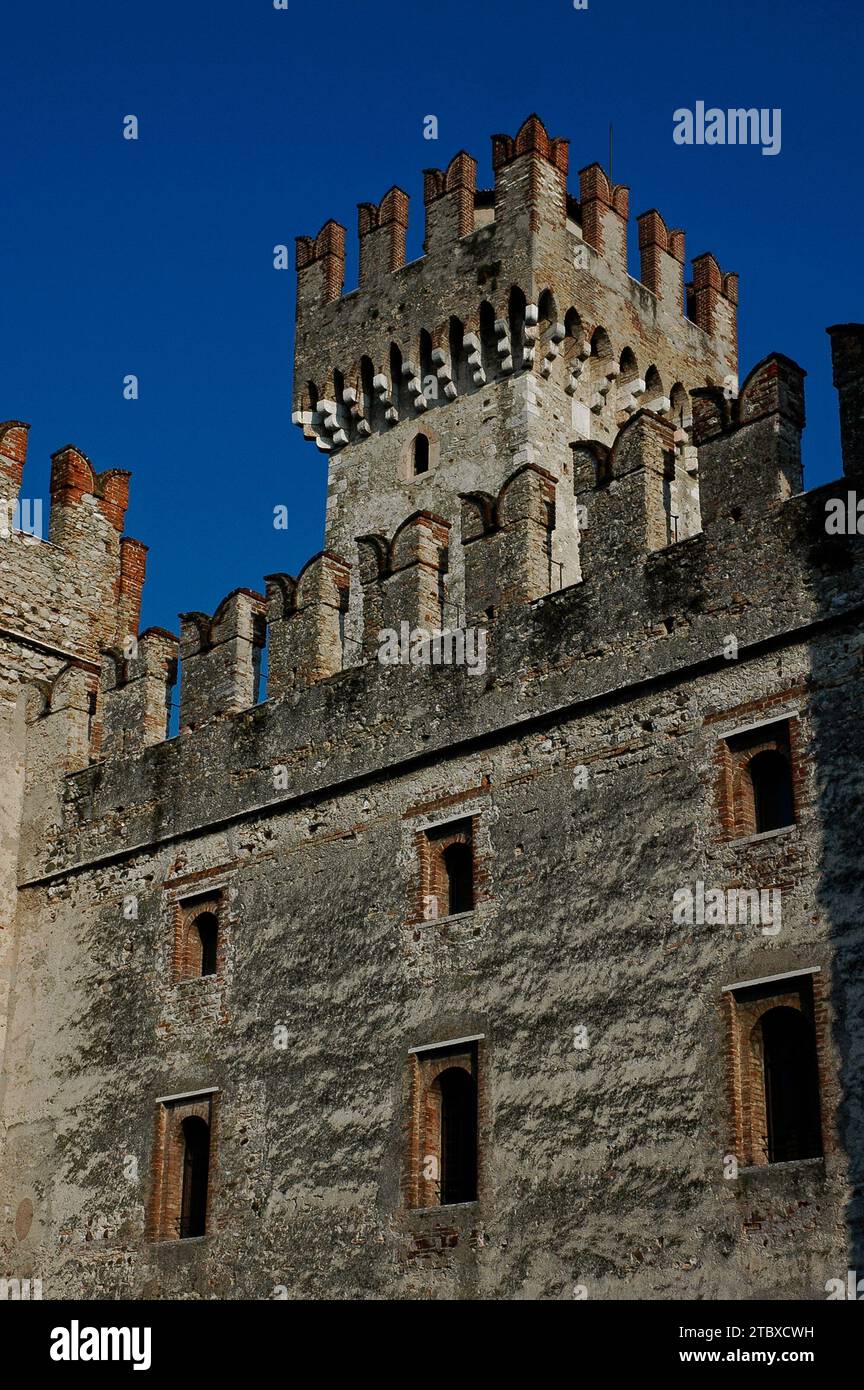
x,y
517,332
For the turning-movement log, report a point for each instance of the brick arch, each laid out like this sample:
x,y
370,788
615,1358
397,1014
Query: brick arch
x,y
199,950
425,1166
189,947
746,1075
743,790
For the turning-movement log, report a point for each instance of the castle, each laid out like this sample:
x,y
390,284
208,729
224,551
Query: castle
x,y
387,986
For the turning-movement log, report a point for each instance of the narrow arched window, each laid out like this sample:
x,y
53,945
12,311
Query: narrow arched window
x,y
771,780
629,367
791,1085
459,877
680,404
573,340
653,383
420,454
196,1168
197,938
458,1136
547,311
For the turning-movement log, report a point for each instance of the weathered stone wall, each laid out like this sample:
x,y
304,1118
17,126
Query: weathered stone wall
x,y
62,599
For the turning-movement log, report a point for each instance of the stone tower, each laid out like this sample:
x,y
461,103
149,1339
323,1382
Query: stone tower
x,y
517,332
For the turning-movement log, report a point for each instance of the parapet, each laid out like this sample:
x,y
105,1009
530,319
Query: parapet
x,y
605,209
320,266
661,256
403,578
306,617
382,230
136,693
13,456
73,482
712,302
59,727
507,542
622,492
750,445
221,658
531,176
449,198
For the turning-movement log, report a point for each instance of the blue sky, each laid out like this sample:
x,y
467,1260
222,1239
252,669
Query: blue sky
x,y
154,256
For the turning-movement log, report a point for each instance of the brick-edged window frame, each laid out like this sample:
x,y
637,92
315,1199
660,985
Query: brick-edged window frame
x,y
186,949
165,1207
433,845
423,1167
735,752
744,1008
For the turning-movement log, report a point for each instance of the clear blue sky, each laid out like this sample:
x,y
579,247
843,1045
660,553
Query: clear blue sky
x,y
155,257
